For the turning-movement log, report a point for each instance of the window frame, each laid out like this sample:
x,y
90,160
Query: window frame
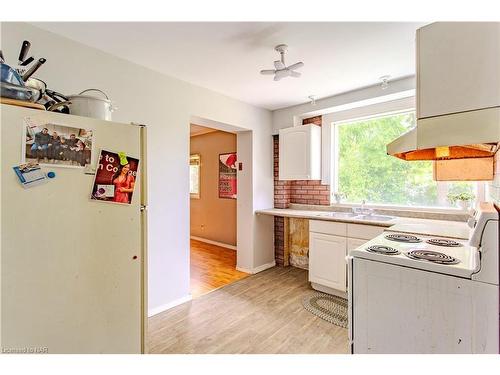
x,y
480,186
191,158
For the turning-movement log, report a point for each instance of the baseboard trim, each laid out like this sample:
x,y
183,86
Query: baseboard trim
x,y
257,269
217,243
167,306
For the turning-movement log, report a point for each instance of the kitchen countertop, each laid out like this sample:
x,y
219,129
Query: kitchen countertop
x,y
444,228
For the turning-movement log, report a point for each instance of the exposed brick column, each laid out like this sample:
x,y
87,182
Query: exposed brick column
x,y
286,192
279,240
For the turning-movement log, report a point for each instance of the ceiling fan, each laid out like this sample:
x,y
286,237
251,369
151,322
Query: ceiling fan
x,y
281,70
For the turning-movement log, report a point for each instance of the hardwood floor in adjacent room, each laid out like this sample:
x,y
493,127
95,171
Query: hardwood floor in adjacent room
x,y
212,267
261,313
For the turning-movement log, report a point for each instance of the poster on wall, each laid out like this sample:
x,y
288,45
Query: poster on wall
x,y
55,145
227,175
115,177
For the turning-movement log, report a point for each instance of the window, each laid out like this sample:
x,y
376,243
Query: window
x,y
365,172
194,176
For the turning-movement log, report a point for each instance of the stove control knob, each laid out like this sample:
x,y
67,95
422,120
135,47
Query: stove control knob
x,y
471,222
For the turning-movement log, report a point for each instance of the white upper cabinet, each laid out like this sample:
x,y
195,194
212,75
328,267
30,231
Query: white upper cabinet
x,y
300,153
458,67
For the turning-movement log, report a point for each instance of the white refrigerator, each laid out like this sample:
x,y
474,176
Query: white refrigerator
x,y
73,276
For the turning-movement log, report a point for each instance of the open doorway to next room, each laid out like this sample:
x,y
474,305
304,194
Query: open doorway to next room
x,y
213,197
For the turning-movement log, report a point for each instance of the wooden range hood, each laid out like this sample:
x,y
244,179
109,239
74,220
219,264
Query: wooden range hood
x,y
461,144
464,135
450,152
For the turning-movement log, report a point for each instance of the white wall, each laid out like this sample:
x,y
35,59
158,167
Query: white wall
x,y
166,105
291,116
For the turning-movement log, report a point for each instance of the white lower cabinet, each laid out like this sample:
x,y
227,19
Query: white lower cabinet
x,y
327,265
329,244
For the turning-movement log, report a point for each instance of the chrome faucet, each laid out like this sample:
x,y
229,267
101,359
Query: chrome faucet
x,y
362,210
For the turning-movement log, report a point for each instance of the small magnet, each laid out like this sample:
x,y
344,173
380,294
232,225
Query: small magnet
x,y
123,158
51,174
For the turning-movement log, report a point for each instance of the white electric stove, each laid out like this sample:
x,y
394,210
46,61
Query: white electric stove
x,y
427,294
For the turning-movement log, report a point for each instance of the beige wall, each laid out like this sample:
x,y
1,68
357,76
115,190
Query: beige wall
x,y
212,217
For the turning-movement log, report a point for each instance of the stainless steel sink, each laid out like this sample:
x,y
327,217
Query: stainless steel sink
x,y
338,214
375,217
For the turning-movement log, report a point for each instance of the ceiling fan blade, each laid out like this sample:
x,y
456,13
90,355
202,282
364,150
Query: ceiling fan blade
x,y
296,66
268,71
279,65
295,74
282,74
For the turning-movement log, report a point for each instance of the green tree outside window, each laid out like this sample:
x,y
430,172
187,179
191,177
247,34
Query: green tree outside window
x,y
366,172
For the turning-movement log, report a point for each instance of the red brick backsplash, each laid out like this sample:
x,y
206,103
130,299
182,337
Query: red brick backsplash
x,y
310,192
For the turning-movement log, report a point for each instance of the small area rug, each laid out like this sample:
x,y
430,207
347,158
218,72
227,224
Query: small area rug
x,y
333,309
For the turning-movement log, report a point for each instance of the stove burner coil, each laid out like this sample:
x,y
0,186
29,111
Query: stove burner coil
x,y
443,242
403,238
386,250
431,256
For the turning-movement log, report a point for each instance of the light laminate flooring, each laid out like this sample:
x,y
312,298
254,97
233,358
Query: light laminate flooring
x,y
261,313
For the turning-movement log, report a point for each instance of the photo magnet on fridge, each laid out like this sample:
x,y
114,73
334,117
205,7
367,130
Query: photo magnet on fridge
x,y
115,177
55,145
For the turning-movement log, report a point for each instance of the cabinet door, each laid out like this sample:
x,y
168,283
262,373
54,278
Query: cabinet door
x,y
457,67
327,263
300,153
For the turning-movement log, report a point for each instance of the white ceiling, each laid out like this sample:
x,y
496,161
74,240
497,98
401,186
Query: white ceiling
x,y
227,57
199,130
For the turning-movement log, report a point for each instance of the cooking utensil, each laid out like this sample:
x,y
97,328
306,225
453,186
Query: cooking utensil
x,y
34,68
24,51
39,87
56,106
19,92
56,96
2,59
88,106
9,75
28,61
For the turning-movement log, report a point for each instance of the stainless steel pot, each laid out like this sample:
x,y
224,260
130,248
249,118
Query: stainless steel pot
x,y
88,106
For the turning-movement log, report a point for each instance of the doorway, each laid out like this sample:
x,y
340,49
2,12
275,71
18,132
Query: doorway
x,y
213,174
